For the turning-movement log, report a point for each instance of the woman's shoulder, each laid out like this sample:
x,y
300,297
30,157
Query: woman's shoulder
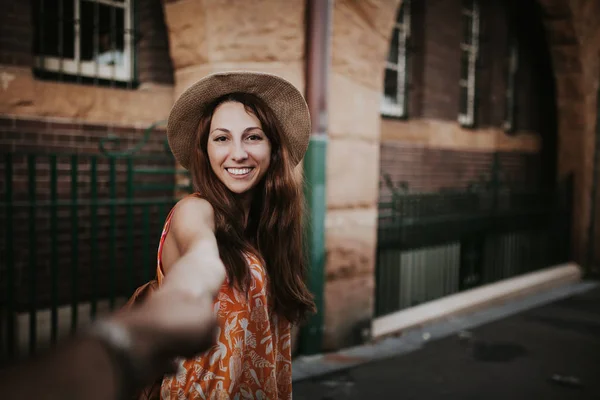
x,y
192,213
193,204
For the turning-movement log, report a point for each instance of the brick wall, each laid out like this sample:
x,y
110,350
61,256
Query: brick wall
x,y
42,137
16,33
427,169
437,32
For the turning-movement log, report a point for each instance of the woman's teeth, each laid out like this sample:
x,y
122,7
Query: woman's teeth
x,y
239,171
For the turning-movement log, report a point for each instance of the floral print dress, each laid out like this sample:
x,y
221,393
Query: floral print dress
x,y
252,357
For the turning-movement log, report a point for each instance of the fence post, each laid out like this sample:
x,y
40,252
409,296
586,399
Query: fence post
x,y
10,265
32,255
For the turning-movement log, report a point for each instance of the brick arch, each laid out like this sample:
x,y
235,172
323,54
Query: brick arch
x,y
574,129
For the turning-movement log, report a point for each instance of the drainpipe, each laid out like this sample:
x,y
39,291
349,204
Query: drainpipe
x,y
318,56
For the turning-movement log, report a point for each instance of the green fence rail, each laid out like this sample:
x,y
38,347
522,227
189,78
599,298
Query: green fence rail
x,y
432,245
80,233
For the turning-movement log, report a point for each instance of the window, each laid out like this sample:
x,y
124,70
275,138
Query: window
x,y
85,38
469,53
513,67
394,101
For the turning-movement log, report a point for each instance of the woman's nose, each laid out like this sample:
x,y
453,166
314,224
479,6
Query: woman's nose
x,y
239,152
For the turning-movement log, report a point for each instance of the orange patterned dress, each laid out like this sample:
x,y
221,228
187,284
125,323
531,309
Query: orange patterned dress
x,y
252,358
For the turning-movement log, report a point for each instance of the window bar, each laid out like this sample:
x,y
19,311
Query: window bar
x,y
41,33
77,27
402,60
113,45
473,60
32,255
128,44
467,117
513,66
61,21
96,39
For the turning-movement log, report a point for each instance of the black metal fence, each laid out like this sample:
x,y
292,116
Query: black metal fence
x,y
79,233
432,245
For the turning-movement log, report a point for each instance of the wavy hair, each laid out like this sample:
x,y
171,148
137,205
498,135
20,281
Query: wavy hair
x,y
273,231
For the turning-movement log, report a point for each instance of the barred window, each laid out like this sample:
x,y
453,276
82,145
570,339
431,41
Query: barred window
x,y
84,38
513,67
469,54
394,100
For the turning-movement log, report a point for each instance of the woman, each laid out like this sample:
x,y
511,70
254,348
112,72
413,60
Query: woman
x,y
241,135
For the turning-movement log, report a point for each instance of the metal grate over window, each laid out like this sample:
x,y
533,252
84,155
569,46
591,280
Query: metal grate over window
x,y
469,54
394,99
84,38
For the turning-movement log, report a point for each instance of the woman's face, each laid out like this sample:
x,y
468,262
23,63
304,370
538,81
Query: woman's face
x,y
238,150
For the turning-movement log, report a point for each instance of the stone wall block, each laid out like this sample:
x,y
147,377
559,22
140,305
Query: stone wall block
x,y
293,71
351,237
358,50
352,173
348,311
354,109
186,23
259,31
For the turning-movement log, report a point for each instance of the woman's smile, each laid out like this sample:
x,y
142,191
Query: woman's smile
x,y
240,172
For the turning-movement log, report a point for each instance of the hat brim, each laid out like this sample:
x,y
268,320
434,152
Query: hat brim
x,y
284,100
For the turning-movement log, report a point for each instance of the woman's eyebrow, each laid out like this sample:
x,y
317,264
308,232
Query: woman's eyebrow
x,y
250,128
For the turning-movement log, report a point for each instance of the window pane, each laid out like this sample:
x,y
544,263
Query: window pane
x,y
393,54
391,87
54,28
102,33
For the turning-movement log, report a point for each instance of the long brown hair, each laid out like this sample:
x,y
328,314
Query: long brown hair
x,y
273,231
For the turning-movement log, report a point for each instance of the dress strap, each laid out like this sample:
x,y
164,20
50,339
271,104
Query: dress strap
x,y
160,275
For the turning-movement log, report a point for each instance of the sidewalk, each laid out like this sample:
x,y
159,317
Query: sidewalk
x,y
545,346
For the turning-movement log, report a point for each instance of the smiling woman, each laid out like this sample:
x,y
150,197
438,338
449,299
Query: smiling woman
x,y
241,135
238,149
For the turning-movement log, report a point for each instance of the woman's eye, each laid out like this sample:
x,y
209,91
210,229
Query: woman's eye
x,y
254,137
220,139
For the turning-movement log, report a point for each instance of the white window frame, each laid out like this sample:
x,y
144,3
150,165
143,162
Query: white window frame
x,y
467,117
398,108
513,67
91,69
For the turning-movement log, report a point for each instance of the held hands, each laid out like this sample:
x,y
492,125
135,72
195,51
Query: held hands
x,y
176,320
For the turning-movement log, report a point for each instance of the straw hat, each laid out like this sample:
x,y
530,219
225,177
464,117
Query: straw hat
x,y
281,96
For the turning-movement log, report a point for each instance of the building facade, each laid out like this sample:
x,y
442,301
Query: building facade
x,y
425,94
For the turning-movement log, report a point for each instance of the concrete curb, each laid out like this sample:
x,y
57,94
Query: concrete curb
x,y
489,303
475,299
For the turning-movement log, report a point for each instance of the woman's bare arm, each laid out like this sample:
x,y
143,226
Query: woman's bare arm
x,y
190,256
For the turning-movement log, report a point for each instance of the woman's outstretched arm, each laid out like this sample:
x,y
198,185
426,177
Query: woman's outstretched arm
x,y
191,248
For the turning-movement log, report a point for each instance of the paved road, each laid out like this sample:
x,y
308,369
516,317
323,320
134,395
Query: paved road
x,y
513,358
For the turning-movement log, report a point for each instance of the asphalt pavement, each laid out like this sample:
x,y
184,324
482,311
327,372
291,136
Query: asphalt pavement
x,y
548,352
